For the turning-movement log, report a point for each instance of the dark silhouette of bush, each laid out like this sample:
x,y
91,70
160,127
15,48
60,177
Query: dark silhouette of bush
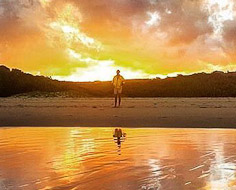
x,y
15,82
216,84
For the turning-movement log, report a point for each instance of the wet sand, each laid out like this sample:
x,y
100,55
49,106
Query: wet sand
x,y
134,112
89,158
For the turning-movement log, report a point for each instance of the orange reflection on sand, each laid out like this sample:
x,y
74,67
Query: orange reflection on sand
x,y
89,158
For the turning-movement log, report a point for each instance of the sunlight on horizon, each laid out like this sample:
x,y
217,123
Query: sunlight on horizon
x,y
104,71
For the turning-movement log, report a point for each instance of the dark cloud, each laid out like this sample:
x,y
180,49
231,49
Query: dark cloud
x,y
183,20
229,33
12,26
186,22
229,37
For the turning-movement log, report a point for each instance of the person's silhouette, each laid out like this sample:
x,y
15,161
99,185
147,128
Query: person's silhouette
x,y
118,137
118,82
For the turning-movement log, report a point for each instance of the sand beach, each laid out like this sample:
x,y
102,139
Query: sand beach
x,y
134,112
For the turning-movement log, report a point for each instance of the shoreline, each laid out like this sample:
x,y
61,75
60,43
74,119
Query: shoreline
x,y
123,127
134,113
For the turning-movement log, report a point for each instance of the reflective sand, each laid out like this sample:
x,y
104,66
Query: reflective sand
x,y
90,159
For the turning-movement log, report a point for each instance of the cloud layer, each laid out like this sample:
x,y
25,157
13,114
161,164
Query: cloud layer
x,y
69,38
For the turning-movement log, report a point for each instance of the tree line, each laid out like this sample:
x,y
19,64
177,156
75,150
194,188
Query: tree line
x,y
216,84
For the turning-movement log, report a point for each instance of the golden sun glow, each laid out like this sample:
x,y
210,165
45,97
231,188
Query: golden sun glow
x,y
66,27
45,3
90,40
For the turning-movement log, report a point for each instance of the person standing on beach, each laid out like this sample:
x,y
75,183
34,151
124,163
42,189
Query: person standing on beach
x,y
118,82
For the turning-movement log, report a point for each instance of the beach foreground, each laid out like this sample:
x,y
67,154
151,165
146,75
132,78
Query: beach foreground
x,y
134,112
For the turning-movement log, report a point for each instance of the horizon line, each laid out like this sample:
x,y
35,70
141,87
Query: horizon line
x,y
159,76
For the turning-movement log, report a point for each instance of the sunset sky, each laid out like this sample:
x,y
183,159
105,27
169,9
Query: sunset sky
x,y
87,40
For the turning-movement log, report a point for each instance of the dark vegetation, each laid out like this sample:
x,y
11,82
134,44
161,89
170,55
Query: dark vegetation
x,y
216,84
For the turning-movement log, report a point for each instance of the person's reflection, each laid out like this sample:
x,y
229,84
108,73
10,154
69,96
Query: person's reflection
x,y
119,137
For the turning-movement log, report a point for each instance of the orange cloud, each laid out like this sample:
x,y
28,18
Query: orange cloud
x,y
143,38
